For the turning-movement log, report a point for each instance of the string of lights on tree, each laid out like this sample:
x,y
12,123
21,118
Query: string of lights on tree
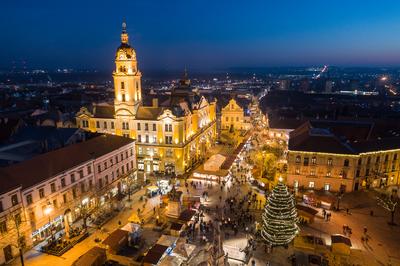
x,y
279,220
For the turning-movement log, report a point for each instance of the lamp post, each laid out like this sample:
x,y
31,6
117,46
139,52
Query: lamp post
x,y
47,211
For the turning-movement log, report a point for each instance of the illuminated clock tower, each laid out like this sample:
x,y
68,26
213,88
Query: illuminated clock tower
x,y
127,84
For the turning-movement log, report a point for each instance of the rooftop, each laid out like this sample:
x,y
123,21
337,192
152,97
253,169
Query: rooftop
x,y
48,165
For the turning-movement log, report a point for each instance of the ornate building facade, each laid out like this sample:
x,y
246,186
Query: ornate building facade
x,y
319,159
233,117
171,135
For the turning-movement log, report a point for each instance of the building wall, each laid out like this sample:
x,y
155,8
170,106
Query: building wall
x,y
232,115
336,172
82,186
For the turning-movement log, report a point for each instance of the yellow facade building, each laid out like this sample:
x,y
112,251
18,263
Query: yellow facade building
x,y
171,135
233,118
319,159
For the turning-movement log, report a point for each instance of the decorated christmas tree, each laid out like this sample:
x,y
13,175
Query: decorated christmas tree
x,y
279,220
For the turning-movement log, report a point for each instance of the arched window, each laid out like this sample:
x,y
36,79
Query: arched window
x,y
313,160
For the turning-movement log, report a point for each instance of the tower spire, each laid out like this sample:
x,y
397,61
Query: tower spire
x,y
124,34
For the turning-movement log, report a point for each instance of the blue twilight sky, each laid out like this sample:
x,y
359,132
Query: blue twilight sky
x,y
203,35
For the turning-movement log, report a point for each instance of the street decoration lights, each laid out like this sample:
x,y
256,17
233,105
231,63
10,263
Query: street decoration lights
x,y
279,220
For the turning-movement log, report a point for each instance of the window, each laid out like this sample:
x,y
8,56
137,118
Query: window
x,y
53,187
63,182
138,126
358,173
154,127
14,199
227,119
329,174
378,159
105,124
122,157
346,163
74,192
106,178
98,124
89,169
147,138
313,160
168,153
90,184
344,174
105,165
305,161
125,125
312,172
83,187
80,173
237,119
123,97
139,138
112,124
395,157
41,193
72,178
146,127
298,159
100,183
29,199
116,158
122,85
367,172
98,168
311,184
359,161
55,203
369,160
330,162
85,123
168,139
386,157
168,127
1,206
65,198
154,139
3,226
327,187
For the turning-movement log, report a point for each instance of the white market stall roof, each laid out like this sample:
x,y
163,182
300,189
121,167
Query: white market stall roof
x,y
214,163
167,240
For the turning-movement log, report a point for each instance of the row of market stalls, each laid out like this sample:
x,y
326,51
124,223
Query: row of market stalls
x,y
172,249
218,167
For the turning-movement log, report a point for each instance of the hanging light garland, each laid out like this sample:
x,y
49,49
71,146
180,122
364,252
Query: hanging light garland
x,y
280,217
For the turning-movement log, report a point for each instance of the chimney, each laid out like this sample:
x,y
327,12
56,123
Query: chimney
x,y
155,102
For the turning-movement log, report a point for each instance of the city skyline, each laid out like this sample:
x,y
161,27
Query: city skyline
x,y
201,36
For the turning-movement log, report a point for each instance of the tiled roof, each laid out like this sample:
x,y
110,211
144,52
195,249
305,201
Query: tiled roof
x,y
148,113
103,111
325,137
45,166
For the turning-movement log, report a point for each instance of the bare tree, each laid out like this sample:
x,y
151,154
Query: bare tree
x,y
389,204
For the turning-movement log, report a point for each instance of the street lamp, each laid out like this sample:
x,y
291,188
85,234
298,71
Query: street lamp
x,y
47,211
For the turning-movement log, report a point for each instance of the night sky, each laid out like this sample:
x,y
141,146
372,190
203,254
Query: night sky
x,y
203,35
